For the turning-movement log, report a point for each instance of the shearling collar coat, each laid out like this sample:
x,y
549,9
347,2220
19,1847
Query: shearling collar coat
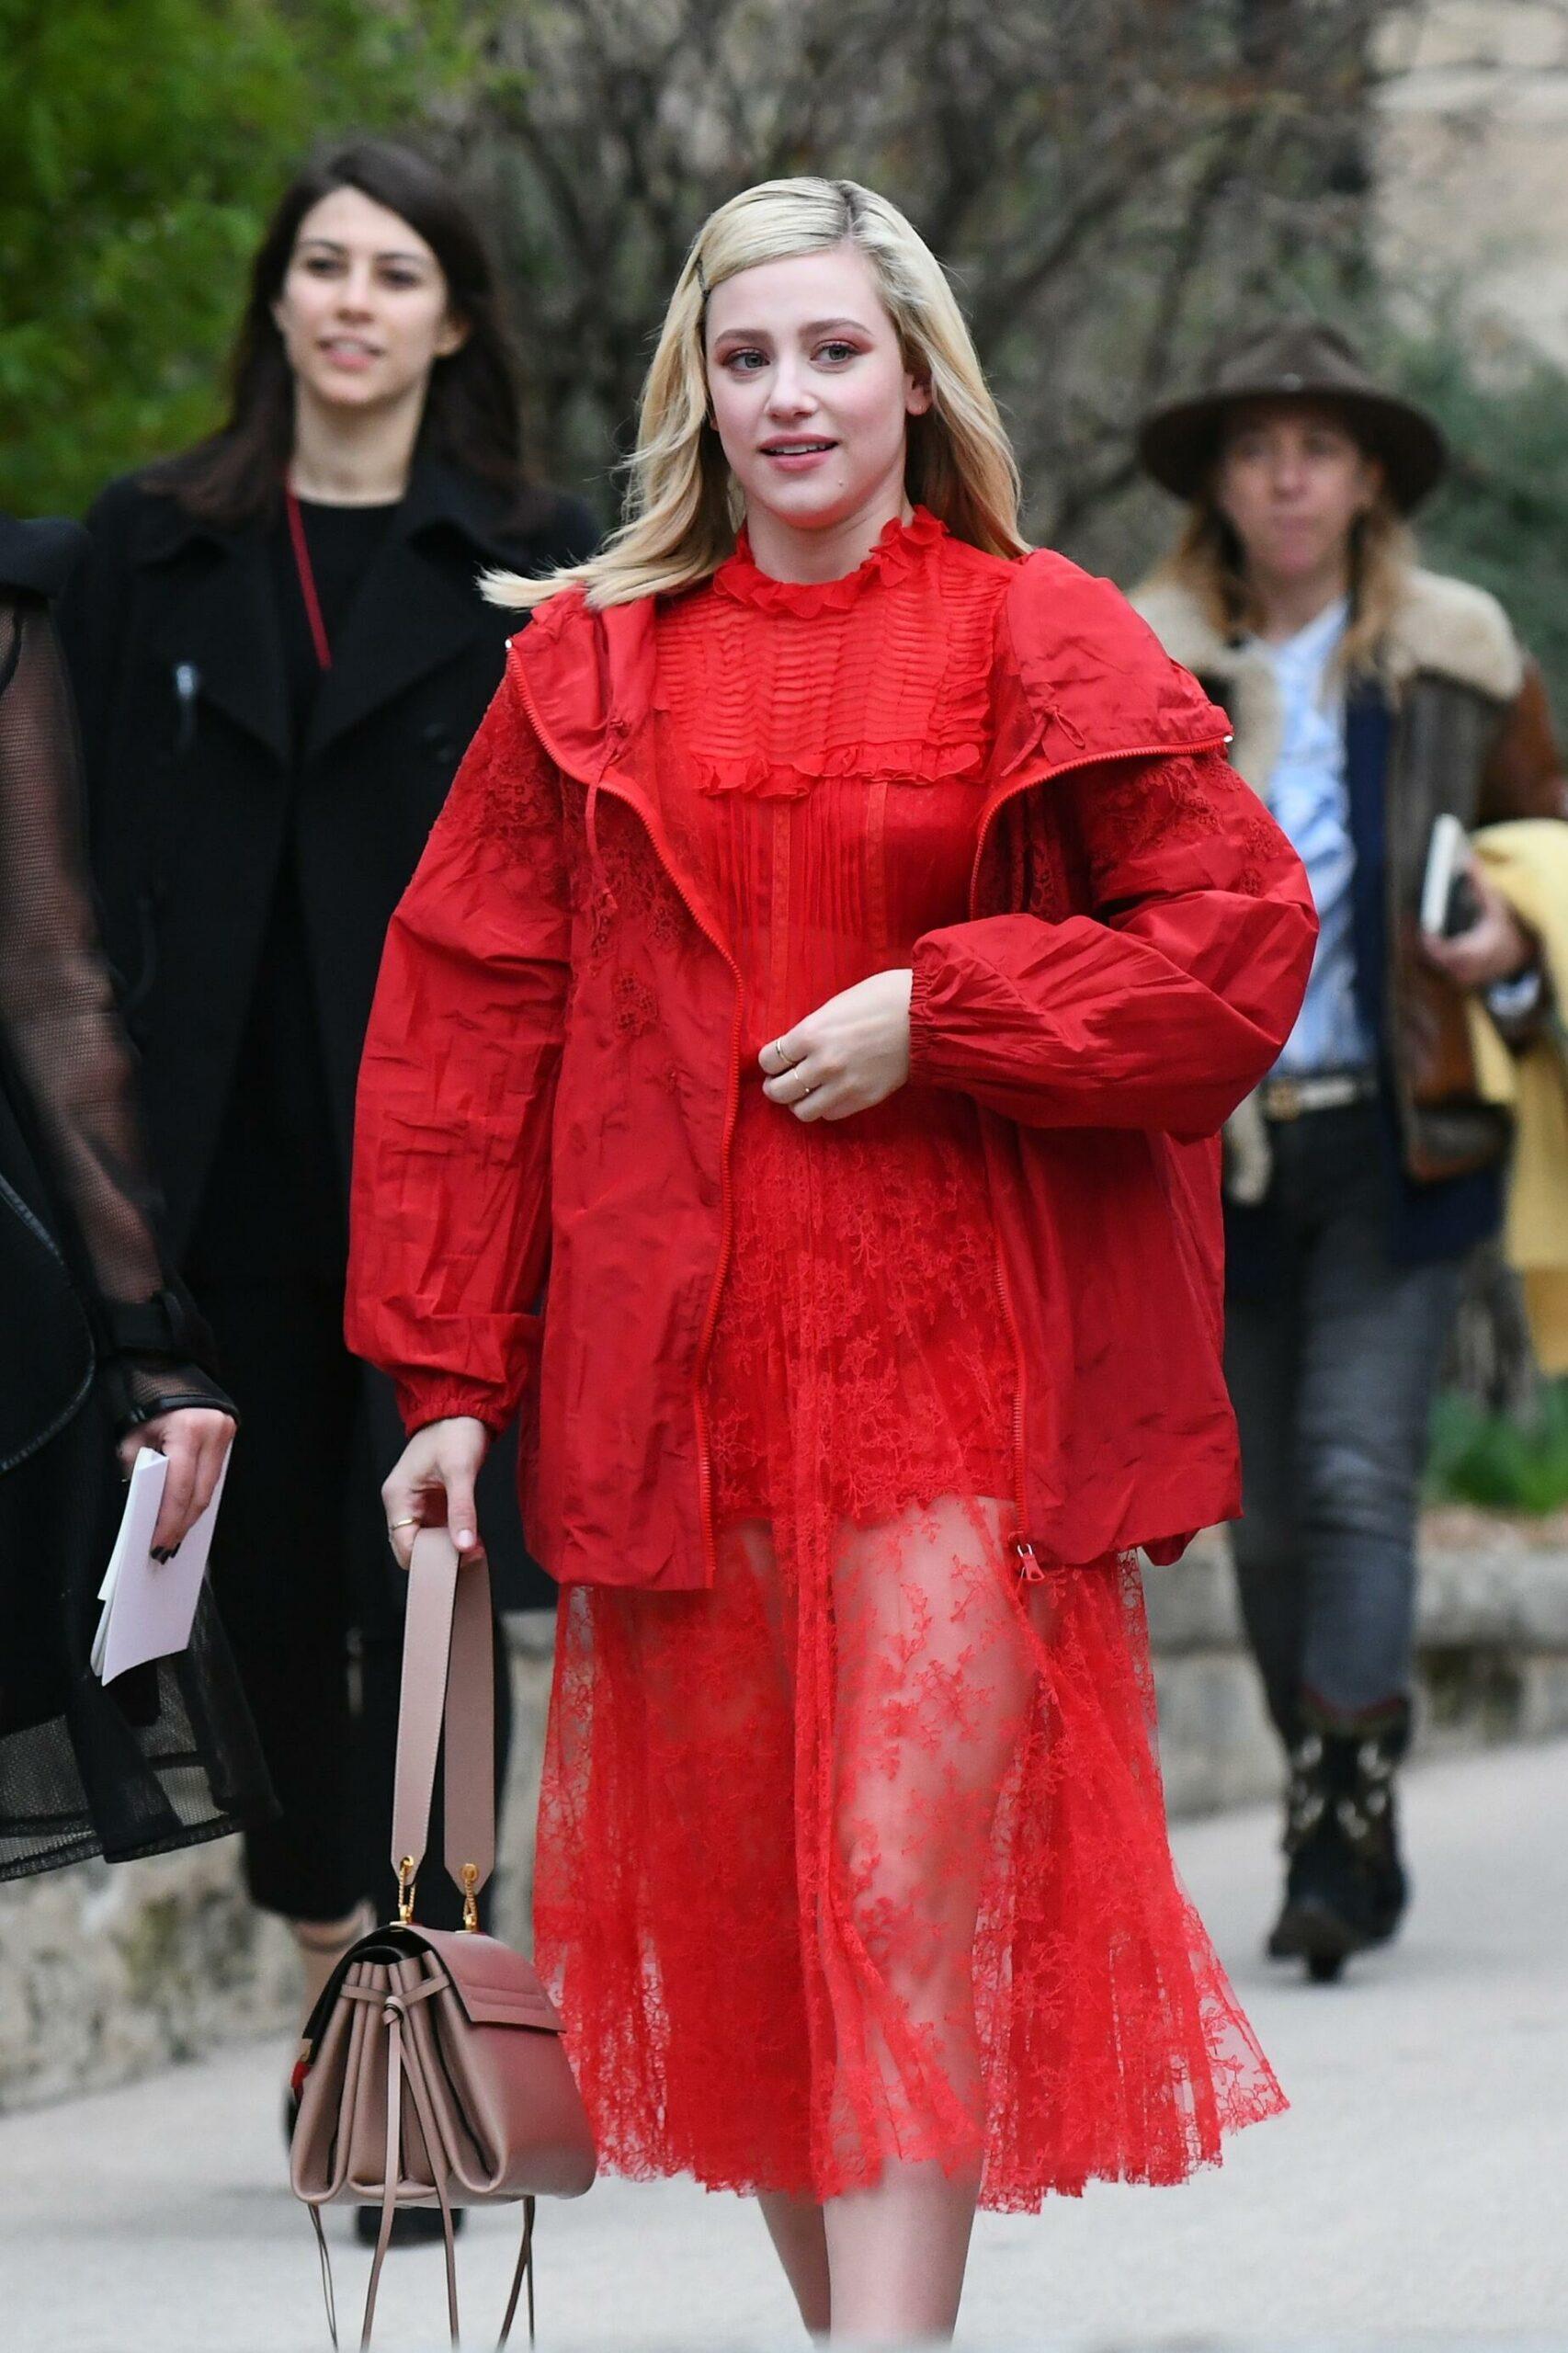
x,y
1454,718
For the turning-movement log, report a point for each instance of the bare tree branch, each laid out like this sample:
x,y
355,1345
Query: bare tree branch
x,y
1107,181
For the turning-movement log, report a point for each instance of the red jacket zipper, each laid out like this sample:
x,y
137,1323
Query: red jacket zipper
x,y
1029,1569
731,1104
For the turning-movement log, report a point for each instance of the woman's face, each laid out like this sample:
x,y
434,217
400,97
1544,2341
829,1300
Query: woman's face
x,y
363,310
810,393
1291,482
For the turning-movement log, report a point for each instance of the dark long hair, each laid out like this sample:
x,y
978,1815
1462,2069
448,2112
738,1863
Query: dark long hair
x,y
471,415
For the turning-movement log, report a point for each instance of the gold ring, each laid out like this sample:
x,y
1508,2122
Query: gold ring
x,y
401,1523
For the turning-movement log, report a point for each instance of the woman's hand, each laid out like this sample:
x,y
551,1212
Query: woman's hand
x,y
851,1052
196,1440
432,1486
1496,946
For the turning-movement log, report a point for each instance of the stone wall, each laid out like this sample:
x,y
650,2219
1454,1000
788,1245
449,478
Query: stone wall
x,y
106,1974
1471,163
1493,1640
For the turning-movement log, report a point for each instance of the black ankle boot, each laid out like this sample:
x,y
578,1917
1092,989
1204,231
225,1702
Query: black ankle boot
x,y
1346,1887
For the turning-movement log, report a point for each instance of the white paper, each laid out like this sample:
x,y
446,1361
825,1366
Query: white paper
x,y
150,1605
1445,859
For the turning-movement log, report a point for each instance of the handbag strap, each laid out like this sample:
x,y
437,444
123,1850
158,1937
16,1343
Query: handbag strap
x,y
449,1668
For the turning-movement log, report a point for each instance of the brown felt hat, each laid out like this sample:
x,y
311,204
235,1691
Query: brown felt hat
x,y
1292,359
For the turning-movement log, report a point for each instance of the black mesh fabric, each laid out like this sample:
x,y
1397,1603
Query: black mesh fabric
x,y
165,1755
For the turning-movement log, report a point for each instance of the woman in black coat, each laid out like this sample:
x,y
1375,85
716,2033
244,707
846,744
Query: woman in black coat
x,y
281,648
102,1354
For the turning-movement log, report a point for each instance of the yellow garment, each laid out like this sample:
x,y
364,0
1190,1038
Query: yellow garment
x,y
1527,861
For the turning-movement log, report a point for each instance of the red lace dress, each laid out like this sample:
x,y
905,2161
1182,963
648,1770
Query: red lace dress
x,y
862,1854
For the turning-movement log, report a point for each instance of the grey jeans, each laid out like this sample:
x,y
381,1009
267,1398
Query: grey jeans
x,y
1332,1379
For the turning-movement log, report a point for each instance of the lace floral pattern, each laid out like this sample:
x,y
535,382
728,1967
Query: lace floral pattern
x,y
1144,805
901,1332
508,791
862,1854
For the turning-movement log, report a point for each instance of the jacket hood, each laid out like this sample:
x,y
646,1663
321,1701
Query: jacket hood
x,y
1078,676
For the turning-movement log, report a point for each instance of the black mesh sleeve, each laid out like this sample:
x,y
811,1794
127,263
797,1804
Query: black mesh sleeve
x,y
64,1040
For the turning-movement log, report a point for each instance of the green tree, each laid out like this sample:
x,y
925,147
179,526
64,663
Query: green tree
x,y
1501,518
144,146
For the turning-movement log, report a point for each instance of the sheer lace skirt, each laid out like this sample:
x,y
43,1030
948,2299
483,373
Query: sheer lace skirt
x,y
862,1853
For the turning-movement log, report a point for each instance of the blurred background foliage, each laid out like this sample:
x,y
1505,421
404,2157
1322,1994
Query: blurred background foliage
x,y
144,144
1114,184
1504,1462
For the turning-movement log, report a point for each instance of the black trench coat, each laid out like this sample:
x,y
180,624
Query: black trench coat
x,y
195,788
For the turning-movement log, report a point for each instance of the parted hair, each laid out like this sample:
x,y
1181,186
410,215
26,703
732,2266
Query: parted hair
x,y
682,512
471,415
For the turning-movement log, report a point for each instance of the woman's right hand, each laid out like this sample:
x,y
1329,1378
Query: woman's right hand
x,y
432,1486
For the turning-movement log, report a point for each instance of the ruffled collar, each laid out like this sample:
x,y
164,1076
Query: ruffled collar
x,y
901,547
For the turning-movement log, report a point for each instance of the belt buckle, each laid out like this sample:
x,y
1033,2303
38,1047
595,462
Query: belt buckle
x,y
1283,1100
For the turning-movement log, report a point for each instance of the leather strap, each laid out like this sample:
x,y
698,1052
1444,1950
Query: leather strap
x,y
397,2075
525,2270
448,1669
394,2007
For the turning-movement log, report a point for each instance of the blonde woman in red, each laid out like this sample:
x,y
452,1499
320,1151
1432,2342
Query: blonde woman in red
x,y
796,1073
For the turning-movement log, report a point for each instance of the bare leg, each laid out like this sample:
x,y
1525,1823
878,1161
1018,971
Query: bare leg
x,y
795,2226
896,2254
322,1944
935,1685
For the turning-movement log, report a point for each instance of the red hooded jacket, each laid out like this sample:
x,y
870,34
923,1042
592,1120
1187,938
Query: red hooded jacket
x,y
551,1075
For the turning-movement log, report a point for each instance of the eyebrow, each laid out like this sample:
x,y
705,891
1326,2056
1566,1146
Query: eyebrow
x,y
813,326
392,253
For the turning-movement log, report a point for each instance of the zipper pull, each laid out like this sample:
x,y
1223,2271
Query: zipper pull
x,y
1029,1570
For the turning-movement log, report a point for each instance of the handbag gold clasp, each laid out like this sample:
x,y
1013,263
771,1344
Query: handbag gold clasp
x,y
470,1899
405,1871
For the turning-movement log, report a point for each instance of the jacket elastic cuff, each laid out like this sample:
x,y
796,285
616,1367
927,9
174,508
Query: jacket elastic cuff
x,y
422,1407
922,1026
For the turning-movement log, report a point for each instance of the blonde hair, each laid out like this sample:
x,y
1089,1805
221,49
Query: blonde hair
x,y
682,511
1210,563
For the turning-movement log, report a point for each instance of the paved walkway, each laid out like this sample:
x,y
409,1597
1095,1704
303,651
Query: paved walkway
x,y
1417,2196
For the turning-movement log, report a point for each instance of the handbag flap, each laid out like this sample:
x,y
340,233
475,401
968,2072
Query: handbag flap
x,y
495,1985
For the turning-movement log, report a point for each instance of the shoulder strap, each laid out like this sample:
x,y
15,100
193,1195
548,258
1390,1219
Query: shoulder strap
x,y
448,1674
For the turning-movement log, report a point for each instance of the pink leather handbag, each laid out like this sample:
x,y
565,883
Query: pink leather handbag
x,y
432,2071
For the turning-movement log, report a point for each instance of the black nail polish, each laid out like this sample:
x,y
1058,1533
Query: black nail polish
x,y
160,1552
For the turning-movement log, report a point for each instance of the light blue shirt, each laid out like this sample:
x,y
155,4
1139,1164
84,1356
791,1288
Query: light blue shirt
x,y
1310,801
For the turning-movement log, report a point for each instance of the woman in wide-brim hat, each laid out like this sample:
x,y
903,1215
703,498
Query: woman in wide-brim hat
x,y
1367,696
